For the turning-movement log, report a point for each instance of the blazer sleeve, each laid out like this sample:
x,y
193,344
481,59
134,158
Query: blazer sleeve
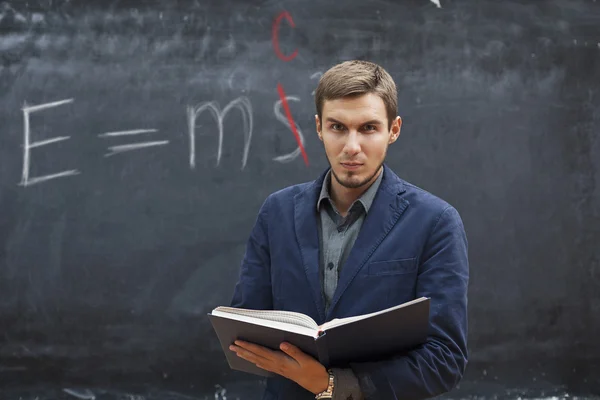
x,y
438,365
253,289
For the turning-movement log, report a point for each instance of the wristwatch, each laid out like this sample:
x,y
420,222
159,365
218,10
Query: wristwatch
x,y
327,393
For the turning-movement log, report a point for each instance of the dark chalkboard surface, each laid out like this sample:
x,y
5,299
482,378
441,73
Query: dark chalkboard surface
x,y
139,138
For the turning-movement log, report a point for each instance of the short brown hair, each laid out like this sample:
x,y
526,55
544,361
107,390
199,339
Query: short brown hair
x,y
355,78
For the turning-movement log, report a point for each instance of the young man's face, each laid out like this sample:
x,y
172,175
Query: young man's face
x,y
354,131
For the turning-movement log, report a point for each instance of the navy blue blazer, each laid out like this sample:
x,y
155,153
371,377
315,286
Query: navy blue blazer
x,y
411,244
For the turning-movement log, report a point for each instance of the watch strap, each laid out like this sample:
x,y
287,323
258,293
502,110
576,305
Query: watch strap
x,y
327,393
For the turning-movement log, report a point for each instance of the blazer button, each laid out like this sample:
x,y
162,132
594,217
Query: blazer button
x,y
330,266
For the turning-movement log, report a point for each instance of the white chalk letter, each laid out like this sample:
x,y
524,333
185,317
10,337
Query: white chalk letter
x,y
242,103
281,117
27,146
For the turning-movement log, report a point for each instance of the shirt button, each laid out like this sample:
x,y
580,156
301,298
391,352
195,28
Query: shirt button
x,y
330,266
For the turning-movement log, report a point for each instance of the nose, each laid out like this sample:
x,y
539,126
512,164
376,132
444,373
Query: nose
x,y
352,145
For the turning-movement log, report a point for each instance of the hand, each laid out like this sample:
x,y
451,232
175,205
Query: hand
x,y
291,363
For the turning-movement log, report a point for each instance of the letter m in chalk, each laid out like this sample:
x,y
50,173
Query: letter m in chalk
x,y
242,103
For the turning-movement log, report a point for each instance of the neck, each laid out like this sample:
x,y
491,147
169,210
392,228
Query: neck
x,y
343,197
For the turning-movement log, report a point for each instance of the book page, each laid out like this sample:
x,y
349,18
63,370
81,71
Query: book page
x,y
343,321
288,317
270,323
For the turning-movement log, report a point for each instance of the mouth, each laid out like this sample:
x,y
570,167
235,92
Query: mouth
x,y
351,166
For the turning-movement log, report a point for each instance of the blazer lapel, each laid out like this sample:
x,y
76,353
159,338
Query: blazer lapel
x,y
383,214
307,235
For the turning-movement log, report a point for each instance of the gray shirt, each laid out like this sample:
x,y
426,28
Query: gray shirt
x,y
337,235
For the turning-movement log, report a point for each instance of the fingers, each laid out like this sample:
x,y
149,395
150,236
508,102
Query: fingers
x,y
294,352
256,349
259,354
255,357
290,362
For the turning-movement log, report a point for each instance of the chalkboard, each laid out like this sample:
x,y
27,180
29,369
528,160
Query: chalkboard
x,y
139,138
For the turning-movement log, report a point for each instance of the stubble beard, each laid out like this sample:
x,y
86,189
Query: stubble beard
x,y
354,185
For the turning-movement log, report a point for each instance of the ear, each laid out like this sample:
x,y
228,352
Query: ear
x,y
395,130
318,126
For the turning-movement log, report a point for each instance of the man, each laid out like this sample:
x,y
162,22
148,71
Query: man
x,y
357,240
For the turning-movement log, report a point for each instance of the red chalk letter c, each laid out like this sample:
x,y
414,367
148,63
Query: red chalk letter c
x,y
276,23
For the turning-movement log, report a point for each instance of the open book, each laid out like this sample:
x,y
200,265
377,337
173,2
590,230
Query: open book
x,y
334,343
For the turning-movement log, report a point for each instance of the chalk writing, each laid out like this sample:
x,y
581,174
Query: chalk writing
x,y
291,122
84,394
242,103
133,146
282,96
275,36
26,180
281,110
280,117
125,133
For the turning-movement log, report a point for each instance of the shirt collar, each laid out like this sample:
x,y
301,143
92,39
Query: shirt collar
x,y
366,199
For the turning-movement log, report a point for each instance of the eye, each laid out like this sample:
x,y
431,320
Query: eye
x,y
337,127
370,128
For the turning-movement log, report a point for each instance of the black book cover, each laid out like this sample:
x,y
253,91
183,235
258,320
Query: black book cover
x,y
369,339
